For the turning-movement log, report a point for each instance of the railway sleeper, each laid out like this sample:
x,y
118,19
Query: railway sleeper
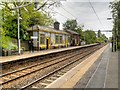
x,y
58,75
54,78
14,75
48,80
44,84
5,78
65,70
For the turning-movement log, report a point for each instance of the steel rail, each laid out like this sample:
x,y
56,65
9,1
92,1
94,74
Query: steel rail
x,y
35,65
56,70
41,68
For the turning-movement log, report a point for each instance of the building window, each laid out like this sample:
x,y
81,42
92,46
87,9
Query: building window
x,y
69,39
57,39
61,39
42,38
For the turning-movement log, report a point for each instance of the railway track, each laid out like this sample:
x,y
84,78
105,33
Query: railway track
x,y
17,74
50,77
31,69
32,61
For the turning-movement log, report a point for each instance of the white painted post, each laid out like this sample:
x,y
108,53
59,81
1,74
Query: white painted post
x,y
18,31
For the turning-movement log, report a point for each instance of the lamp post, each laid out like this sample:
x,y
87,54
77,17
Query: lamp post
x,y
114,37
19,18
18,30
18,10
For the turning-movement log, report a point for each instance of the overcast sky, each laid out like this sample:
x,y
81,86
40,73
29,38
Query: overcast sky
x,y
83,12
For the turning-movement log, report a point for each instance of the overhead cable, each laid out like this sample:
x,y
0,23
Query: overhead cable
x,y
95,13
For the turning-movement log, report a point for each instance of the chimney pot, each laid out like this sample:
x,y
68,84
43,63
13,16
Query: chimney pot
x,y
56,25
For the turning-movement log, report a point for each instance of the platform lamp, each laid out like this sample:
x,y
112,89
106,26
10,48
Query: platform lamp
x,y
114,36
19,18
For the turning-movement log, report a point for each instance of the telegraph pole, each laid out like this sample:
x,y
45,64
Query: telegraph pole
x,y
114,37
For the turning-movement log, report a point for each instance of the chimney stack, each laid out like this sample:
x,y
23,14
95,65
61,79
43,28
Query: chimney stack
x,y
56,25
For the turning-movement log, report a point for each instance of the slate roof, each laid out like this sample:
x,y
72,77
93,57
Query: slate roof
x,y
46,29
71,32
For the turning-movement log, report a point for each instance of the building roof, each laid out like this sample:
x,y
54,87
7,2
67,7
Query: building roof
x,y
71,32
46,29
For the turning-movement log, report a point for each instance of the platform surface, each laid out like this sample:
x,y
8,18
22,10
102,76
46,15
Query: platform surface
x,y
43,52
105,75
69,79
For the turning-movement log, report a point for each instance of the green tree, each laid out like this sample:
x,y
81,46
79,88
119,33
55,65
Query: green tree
x,y
90,36
79,30
70,24
99,33
102,39
73,25
29,18
115,6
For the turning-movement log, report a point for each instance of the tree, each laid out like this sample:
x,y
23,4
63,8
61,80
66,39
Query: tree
x,y
70,24
115,6
79,30
73,25
102,39
90,36
29,18
99,33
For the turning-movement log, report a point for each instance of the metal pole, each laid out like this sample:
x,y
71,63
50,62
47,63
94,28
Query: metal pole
x,y
18,31
115,35
112,43
118,31
84,39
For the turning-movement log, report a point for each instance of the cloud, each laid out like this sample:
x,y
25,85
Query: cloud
x,y
83,12
90,0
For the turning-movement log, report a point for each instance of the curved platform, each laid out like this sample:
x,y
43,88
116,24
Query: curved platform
x,y
104,76
8,59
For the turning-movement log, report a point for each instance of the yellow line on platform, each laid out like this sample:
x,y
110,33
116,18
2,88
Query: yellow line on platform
x,y
70,79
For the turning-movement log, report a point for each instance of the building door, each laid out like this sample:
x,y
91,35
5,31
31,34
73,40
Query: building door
x,y
73,42
47,43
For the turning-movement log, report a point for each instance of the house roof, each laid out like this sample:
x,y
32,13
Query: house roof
x,y
46,29
71,32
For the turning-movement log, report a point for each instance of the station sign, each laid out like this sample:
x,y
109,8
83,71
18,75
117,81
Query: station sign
x,y
34,37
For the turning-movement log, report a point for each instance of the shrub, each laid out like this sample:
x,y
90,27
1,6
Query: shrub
x,y
7,43
118,46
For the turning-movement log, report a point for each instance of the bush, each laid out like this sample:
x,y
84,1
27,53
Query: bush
x,y
118,46
12,47
7,43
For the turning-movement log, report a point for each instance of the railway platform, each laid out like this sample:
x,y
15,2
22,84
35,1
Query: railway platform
x,y
106,73
26,55
100,70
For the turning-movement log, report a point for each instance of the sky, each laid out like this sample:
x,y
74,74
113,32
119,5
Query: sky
x,y
82,11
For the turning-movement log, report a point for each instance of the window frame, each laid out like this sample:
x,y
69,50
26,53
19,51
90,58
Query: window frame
x,y
42,39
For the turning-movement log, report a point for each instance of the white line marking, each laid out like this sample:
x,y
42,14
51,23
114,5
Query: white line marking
x,y
93,74
106,71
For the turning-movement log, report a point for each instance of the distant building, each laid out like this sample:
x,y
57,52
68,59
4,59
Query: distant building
x,y
74,37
